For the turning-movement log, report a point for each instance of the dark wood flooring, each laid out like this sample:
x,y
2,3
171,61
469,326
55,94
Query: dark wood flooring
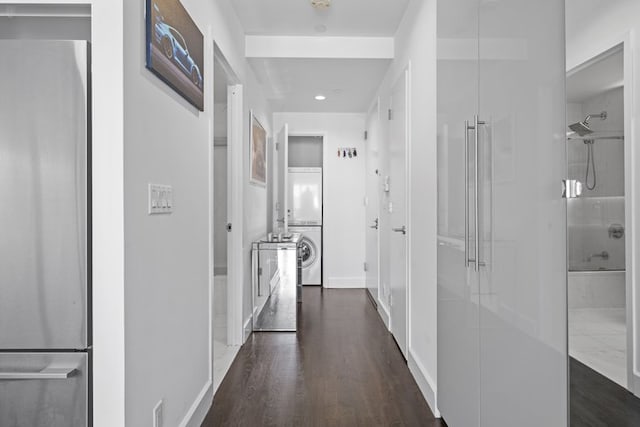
x,y
596,401
342,368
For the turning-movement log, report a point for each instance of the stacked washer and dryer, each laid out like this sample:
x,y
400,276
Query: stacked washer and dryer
x,y
305,217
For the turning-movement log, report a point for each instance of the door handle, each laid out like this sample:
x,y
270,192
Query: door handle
x,y
475,127
375,225
48,373
478,123
402,229
467,128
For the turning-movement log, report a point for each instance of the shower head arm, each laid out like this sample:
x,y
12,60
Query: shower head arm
x,y
602,116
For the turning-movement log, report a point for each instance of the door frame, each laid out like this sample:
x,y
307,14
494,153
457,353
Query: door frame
x,y
235,192
374,110
626,40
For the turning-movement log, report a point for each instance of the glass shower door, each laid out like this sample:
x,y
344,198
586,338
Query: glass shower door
x,y
522,326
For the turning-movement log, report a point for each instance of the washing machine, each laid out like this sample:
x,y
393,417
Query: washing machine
x,y
311,246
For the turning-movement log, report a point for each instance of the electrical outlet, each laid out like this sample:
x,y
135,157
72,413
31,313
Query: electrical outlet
x,y
157,414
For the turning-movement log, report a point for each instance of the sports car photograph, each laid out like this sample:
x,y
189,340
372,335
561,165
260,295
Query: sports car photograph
x,y
175,48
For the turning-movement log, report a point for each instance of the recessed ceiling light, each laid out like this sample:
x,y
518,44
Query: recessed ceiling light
x,y
320,97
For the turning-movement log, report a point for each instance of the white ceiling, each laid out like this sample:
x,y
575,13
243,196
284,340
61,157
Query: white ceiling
x,y
292,84
596,78
343,18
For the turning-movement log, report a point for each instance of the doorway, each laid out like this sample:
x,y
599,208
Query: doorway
x,y
599,230
595,219
305,197
227,298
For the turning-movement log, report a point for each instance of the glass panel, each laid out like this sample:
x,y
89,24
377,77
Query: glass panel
x,y
523,342
596,234
458,337
275,286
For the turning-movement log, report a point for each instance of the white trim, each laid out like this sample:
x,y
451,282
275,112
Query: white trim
x,y
383,311
235,330
426,384
345,282
200,407
247,328
627,40
407,177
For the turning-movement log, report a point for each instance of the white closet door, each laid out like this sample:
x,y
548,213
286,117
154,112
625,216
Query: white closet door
x,y
458,299
523,279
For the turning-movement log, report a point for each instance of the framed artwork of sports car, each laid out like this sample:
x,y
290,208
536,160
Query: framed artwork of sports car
x,y
175,49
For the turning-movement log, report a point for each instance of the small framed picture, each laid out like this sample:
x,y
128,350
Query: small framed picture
x,y
258,152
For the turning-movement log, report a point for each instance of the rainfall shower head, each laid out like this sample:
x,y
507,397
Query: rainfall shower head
x,y
582,128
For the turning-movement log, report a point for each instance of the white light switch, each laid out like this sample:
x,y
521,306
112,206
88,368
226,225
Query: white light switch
x,y
160,199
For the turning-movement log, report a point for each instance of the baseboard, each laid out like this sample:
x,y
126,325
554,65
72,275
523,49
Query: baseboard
x,y
247,328
384,314
200,408
345,283
424,381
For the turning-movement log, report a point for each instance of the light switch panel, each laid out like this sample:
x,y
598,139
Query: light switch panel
x,y
160,199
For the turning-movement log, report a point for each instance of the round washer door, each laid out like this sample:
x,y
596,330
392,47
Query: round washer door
x,y
309,252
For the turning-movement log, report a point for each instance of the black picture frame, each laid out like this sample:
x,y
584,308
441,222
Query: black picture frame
x,y
175,49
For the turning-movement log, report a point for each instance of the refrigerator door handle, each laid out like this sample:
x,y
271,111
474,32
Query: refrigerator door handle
x,y
48,373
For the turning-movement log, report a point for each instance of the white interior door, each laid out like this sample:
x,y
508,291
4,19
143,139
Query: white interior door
x,y
398,211
373,188
282,147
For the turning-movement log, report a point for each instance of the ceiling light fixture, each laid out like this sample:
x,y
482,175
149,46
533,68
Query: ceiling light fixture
x,y
320,97
321,4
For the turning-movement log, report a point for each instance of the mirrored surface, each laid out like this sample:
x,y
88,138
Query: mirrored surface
x,y
276,285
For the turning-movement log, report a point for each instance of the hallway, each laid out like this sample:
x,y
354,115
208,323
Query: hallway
x,y
343,369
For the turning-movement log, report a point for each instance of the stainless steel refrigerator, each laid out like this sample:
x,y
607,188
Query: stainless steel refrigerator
x,y
45,239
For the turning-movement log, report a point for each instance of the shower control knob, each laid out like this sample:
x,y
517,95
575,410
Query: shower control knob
x,y
616,231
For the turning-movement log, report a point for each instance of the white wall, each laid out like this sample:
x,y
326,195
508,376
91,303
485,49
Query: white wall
x,y
344,192
415,44
592,28
168,257
255,197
